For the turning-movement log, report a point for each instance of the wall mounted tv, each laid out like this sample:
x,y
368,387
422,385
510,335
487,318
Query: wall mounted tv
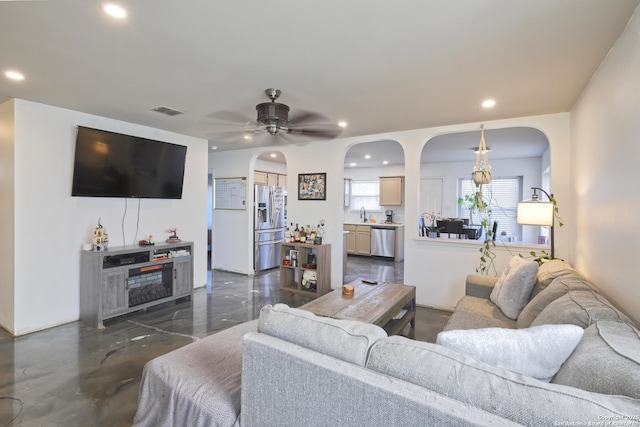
x,y
109,164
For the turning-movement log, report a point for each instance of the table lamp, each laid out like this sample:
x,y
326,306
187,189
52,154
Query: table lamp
x,y
537,212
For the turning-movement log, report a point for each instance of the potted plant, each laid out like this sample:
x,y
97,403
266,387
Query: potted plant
x,y
475,202
431,219
472,202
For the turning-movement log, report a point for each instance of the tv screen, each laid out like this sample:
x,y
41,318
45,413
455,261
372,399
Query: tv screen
x,y
109,164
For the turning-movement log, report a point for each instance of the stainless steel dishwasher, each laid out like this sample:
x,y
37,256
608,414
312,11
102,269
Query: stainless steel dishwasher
x,y
383,241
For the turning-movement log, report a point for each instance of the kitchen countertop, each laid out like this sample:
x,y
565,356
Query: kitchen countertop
x,y
376,224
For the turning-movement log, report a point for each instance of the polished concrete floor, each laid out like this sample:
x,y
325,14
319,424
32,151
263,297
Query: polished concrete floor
x,y
75,375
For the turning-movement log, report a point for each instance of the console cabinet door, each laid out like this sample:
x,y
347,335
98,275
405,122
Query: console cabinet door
x,y
114,292
182,275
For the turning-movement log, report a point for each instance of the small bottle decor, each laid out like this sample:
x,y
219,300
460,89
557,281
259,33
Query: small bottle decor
x,y
100,238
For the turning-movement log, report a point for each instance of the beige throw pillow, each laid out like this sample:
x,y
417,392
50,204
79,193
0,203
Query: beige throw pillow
x,y
538,352
513,288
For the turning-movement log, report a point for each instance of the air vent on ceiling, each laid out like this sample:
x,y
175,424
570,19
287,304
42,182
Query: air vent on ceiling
x,y
168,111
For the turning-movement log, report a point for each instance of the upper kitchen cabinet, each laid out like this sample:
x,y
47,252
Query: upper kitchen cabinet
x,y
282,181
270,178
260,178
391,190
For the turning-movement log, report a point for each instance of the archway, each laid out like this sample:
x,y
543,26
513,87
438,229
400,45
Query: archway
x,y
520,159
372,171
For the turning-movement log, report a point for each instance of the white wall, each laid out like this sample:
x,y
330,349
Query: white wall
x,y
605,142
50,226
7,195
423,267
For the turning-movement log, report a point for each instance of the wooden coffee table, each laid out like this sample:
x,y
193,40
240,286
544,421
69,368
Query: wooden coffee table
x,y
377,304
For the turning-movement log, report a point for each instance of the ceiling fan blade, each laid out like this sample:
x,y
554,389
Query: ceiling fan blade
x,y
301,117
322,132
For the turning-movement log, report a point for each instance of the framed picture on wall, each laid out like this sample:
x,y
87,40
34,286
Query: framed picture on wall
x,y
312,186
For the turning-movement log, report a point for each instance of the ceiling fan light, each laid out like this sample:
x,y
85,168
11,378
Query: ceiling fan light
x,y
273,129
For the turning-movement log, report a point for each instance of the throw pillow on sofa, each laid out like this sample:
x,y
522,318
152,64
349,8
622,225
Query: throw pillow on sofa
x,y
580,308
607,361
537,352
513,288
348,340
555,290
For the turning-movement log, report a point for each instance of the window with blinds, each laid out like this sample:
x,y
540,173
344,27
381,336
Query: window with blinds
x,y
365,194
502,196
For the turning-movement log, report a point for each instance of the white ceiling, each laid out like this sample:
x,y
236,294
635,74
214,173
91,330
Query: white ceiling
x,y
382,66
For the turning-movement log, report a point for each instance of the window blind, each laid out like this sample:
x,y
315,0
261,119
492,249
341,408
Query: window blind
x,y
502,196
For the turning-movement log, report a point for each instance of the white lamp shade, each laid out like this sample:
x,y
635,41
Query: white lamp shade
x,y
535,213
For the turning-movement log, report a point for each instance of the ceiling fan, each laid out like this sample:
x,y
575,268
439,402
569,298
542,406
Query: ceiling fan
x,y
273,119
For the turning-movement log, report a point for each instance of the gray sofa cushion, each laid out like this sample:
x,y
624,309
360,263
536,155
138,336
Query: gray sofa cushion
x,y
285,385
513,396
479,285
607,360
474,313
513,288
555,290
548,272
537,352
348,340
580,308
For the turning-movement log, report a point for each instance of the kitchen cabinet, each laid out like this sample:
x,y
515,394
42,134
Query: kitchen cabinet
x,y
260,178
363,240
358,239
351,238
391,191
269,178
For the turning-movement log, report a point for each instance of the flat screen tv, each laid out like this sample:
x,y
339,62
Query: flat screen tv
x,y
109,164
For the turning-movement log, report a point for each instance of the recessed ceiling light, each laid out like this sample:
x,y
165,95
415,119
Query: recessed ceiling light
x,y
14,75
488,103
274,155
352,164
342,124
247,137
367,156
386,162
114,10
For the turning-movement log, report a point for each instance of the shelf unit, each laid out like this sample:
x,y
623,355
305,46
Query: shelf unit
x,y
291,277
130,278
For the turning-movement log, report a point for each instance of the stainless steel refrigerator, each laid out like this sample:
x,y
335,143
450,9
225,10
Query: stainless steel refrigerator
x,y
268,221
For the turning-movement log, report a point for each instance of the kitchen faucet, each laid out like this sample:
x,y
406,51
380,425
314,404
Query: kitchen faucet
x,y
363,214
